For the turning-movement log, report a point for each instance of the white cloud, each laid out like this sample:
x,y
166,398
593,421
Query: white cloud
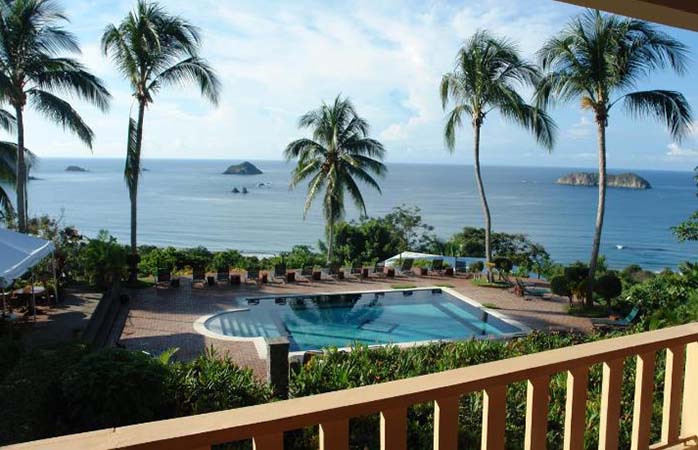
x,y
676,151
582,129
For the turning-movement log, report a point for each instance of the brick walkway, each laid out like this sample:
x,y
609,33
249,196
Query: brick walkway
x,y
163,318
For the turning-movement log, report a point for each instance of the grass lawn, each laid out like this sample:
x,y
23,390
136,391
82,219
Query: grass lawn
x,y
580,310
494,284
403,286
490,306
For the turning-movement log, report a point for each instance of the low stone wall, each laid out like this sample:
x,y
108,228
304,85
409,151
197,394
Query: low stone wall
x,y
104,318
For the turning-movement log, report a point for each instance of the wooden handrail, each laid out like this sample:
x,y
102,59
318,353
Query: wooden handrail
x,y
266,422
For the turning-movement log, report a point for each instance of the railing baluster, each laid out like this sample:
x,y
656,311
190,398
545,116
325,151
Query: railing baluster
x,y
537,413
575,408
494,400
334,435
644,389
446,423
689,415
268,442
671,415
394,429
610,404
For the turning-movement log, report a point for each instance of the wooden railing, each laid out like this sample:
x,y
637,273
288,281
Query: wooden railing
x,y
265,424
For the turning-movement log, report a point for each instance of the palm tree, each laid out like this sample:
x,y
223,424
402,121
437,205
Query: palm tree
x,y
32,71
153,49
487,73
8,176
598,59
339,154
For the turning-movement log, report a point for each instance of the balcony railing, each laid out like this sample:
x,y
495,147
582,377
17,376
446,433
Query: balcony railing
x,y
265,424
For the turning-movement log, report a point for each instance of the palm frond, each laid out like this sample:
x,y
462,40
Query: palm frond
x,y
191,70
668,107
60,112
68,75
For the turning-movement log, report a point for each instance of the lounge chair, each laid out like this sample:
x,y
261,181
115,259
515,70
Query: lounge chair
x,y
355,272
279,273
332,272
405,270
461,266
622,323
223,275
378,270
198,275
522,290
306,274
253,275
437,267
163,277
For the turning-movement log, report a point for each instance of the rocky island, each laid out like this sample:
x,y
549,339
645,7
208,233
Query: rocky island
x,y
75,169
623,180
246,168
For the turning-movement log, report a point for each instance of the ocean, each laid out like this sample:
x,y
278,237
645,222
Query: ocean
x,y
185,203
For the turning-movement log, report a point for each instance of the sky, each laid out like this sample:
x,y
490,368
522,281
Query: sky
x,y
277,60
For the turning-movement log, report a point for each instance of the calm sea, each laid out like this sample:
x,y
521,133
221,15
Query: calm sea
x,y
186,203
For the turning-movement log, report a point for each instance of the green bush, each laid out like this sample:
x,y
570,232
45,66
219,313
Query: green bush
x,y
10,352
634,274
103,260
213,383
301,256
157,258
193,257
227,259
559,285
608,286
477,266
114,387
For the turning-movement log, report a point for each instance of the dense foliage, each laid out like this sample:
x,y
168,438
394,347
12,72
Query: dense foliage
x,y
688,230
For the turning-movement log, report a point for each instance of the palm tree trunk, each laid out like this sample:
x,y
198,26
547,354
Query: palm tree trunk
x,y
477,124
600,209
21,186
133,194
330,240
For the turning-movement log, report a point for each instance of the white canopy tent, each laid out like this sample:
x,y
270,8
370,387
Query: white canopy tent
x,y
18,254
450,260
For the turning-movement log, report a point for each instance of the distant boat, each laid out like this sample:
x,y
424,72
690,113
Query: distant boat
x,y
620,247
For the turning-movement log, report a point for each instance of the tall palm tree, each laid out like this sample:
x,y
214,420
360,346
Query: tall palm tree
x,y
32,71
154,49
8,176
598,60
487,73
339,154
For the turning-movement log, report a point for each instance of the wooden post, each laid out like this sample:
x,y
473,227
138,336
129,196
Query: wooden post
x,y
537,413
689,415
268,442
494,412
575,408
610,404
394,429
334,435
671,414
642,413
446,424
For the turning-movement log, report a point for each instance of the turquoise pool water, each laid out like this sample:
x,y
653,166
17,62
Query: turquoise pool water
x,y
339,320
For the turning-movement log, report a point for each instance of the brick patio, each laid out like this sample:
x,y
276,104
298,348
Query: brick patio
x,y
163,318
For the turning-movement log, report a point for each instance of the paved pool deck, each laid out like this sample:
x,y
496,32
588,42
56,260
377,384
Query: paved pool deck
x,y
163,318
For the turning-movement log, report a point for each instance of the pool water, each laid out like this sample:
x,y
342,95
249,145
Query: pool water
x,y
312,322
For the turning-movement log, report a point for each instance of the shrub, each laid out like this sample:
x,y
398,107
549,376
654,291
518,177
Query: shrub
x,y
114,387
301,256
477,266
634,274
157,258
28,394
193,257
227,259
559,285
103,260
608,286
210,383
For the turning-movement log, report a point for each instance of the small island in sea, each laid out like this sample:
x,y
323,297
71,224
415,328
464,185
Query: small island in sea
x,y
75,169
624,180
245,168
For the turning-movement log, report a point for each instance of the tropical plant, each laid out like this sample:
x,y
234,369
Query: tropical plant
x,y
8,175
103,260
486,76
32,71
608,286
339,154
153,49
599,59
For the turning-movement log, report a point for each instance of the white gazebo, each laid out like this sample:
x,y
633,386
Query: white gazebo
x,y
18,254
450,260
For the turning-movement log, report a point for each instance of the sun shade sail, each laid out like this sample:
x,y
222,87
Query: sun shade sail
x,y
19,253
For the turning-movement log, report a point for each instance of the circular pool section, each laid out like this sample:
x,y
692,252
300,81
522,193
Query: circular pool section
x,y
313,322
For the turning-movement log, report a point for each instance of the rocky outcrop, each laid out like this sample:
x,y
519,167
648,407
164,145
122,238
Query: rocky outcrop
x,y
75,169
623,180
245,168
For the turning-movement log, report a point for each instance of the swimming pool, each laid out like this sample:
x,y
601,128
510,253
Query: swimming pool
x,y
313,322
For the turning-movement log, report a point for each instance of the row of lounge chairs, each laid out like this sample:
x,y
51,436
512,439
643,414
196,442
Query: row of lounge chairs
x,y
280,273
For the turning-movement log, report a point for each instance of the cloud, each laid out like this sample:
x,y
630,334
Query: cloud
x,y
581,129
676,151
